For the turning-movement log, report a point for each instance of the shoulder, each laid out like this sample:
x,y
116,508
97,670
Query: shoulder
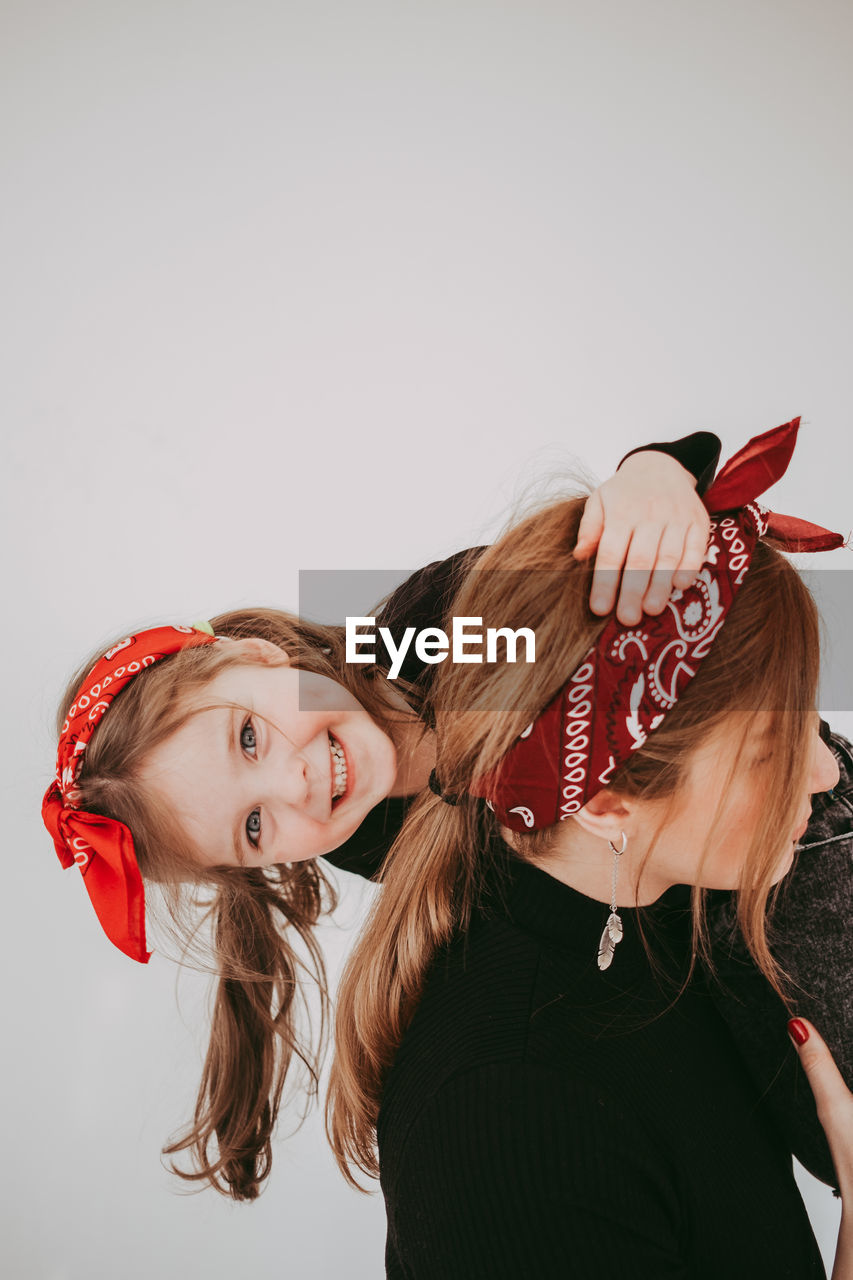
x,y
514,1165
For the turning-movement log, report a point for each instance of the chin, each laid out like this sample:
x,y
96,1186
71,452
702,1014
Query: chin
x,y
785,865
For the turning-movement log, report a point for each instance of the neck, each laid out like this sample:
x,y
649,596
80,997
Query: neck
x,y
585,863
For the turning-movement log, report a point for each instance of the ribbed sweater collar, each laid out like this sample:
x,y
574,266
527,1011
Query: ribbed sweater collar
x,y
554,912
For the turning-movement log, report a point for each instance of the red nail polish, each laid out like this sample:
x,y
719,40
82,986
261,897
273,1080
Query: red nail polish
x,y
798,1031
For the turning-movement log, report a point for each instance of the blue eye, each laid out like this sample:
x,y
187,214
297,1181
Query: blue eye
x,y
248,741
253,828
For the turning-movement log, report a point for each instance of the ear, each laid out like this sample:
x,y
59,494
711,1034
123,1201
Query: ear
x,y
258,650
606,815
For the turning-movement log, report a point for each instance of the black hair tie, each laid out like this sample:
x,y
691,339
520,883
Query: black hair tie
x,y
435,787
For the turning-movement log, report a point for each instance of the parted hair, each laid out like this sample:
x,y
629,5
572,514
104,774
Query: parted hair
x,y
252,926
764,658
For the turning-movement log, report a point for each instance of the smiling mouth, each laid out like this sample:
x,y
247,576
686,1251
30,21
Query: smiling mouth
x,y
340,772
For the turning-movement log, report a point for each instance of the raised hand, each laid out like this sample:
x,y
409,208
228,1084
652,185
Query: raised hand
x,y
648,524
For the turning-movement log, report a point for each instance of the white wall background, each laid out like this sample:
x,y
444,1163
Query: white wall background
x,y
292,285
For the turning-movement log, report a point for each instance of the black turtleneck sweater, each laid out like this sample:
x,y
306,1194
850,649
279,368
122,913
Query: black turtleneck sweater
x,y
546,1119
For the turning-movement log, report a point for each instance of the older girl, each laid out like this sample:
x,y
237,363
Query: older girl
x,y
524,1027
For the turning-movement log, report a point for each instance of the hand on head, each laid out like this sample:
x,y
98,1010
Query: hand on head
x,y
647,525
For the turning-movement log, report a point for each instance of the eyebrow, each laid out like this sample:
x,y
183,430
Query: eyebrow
x,y
770,732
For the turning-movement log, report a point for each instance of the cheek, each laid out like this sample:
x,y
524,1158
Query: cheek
x,y
305,844
302,855
368,741
729,838
733,837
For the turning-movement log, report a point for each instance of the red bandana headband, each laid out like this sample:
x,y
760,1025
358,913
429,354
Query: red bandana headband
x,y
102,847
633,676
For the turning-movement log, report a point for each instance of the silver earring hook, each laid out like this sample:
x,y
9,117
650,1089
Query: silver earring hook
x,y
613,929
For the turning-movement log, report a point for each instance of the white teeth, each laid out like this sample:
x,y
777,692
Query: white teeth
x,y
339,765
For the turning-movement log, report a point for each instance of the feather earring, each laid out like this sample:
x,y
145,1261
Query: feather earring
x,y
613,929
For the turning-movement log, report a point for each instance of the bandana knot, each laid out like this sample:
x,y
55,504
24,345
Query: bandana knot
x,y
103,847
632,677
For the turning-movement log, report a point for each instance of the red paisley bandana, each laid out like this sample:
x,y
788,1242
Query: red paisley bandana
x,y
102,847
633,676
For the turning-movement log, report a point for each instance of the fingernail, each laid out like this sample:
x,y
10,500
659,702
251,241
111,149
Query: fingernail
x,y
798,1031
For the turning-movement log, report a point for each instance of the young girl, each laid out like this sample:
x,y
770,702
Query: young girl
x,y
241,801
524,1028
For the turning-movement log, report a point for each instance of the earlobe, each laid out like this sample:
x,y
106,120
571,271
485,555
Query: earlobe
x,y
604,816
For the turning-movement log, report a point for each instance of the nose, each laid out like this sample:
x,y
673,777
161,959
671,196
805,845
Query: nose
x,y
825,772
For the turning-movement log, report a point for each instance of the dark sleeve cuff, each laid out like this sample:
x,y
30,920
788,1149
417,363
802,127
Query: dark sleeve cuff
x,y
698,453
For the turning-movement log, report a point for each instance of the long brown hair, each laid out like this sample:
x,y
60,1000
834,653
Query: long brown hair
x,y
765,658
257,922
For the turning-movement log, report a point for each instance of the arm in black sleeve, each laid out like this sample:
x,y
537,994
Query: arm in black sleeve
x,y
422,601
757,1019
813,942
514,1169
698,453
